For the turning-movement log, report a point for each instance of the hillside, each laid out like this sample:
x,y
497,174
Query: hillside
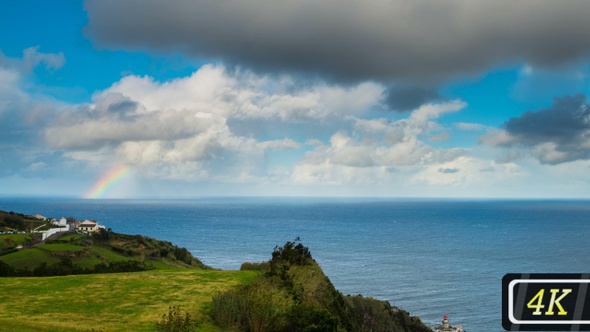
x,y
70,286
101,252
294,294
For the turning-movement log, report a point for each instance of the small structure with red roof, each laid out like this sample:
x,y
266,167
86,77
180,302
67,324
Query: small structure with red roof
x,y
447,327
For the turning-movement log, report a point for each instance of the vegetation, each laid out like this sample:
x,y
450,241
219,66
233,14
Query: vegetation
x,y
103,252
8,242
113,301
293,294
289,292
175,321
12,220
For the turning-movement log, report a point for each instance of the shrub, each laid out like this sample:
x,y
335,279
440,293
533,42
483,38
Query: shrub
x,y
175,321
228,311
6,270
260,266
261,306
307,318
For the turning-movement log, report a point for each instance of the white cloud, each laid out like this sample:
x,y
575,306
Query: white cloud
x,y
376,146
32,58
497,137
190,124
11,96
226,129
433,111
465,171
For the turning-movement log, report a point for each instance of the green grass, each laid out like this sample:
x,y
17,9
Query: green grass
x,y
107,254
61,247
78,248
35,222
30,258
72,237
111,302
9,241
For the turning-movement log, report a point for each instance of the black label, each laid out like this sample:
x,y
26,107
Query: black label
x,y
546,302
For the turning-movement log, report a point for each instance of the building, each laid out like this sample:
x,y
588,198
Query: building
x,y
39,216
63,222
446,326
88,226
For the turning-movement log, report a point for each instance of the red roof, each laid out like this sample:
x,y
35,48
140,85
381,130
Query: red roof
x,y
445,316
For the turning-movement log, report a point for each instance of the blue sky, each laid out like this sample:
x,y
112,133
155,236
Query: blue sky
x,y
392,98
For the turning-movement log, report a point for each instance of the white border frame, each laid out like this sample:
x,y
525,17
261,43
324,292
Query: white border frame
x,y
513,283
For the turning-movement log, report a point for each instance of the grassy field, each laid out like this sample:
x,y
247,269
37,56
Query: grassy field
x,y
61,247
107,302
111,302
72,237
30,258
9,241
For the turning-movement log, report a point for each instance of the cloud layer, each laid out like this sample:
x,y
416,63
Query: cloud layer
x,y
222,128
210,125
236,127
352,40
558,134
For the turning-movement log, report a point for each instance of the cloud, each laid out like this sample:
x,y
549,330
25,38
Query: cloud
x,y
114,119
416,40
20,115
244,95
558,134
448,170
215,124
408,98
468,126
32,58
378,146
22,118
467,171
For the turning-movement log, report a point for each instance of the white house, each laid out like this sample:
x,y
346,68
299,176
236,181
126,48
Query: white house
x,y
39,216
61,222
88,226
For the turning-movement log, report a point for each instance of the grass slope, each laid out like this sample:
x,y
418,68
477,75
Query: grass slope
x,y
86,252
288,293
112,302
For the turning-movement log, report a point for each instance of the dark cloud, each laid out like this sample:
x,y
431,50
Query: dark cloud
x,y
384,40
448,170
566,122
405,99
557,134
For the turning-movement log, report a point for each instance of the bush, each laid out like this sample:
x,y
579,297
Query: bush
x,y
228,311
174,321
260,266
6,270
261,306
307,318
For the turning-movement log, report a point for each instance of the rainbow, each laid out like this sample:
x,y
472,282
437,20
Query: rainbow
x,y
107,181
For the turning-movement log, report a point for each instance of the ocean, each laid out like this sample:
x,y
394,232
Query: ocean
x,y
429,257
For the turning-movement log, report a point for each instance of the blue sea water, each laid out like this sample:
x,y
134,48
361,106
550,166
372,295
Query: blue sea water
x,y
430,257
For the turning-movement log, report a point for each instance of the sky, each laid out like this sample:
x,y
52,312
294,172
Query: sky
x,y
380,98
